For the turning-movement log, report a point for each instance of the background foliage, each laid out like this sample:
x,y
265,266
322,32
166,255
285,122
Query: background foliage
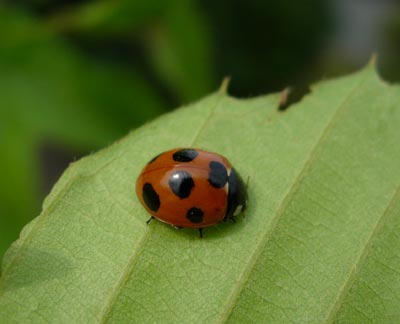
x,y
76,75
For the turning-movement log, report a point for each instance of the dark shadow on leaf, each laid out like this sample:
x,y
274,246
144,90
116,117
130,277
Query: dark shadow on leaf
x,y
36,266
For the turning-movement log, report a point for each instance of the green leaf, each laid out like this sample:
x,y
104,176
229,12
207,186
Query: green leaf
x,y
101,18
319,242
99,100
180,51
174,33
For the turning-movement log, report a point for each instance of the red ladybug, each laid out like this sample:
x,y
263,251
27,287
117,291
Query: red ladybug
x,y
188,187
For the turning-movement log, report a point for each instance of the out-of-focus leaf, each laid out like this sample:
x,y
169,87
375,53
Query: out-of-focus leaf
x,y
319,243
109,17
174,32
18,191
42,76
181,51
49,90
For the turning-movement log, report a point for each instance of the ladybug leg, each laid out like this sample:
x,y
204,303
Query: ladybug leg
x,y
149,220
230,218
201,232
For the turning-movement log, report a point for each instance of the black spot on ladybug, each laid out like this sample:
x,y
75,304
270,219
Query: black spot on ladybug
x,y
237,195
154,158
218,175
181,183
151,197
195,215
185,155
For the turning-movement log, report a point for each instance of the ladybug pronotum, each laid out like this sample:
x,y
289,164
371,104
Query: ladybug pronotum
x,y
187,187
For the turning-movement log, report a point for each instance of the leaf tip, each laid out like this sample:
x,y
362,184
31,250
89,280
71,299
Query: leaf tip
x,y
373,66
223,89
373,60
284,98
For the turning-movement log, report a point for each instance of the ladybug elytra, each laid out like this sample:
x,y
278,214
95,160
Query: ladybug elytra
x,y
187,187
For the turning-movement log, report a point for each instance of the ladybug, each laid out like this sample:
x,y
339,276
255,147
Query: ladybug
x,y
187,187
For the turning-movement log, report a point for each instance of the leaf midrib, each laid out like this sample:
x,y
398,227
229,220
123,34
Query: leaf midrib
x,y
244,278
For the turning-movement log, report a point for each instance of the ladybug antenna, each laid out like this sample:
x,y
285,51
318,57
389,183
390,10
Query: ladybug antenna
x,y
149,220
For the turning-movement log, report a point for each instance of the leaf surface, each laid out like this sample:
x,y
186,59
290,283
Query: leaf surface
x,y
319,242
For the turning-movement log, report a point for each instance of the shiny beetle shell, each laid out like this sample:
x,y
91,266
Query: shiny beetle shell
x,y
187,187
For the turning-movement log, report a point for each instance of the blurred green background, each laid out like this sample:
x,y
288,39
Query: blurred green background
x,y
77,75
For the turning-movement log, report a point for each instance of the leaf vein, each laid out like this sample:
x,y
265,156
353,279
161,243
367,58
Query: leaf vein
x,y
363,256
